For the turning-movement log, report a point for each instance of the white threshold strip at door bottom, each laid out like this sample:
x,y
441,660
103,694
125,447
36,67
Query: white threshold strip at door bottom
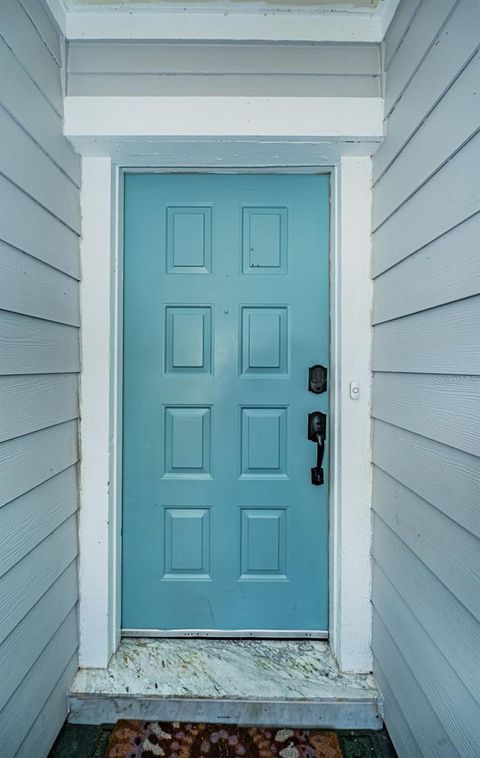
x,y
282,634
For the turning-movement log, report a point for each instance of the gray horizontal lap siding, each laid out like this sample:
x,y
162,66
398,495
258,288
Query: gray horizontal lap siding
x,y
426,363
163,68
39,364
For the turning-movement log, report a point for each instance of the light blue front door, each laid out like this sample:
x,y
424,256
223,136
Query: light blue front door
x,y
225,309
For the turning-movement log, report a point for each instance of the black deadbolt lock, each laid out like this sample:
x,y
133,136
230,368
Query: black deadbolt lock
x,y
317,379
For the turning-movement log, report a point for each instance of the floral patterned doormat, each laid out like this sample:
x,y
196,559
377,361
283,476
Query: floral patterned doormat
x,y
141,739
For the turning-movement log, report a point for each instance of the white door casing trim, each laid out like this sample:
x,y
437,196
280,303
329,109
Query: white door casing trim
x,y
101,307
100,390
350,511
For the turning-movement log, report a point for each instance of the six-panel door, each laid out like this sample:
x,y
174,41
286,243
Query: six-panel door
x,y
225,308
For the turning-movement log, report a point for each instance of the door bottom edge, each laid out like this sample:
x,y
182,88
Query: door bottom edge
x,y
299,634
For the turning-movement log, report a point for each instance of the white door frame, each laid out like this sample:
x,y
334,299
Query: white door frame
x,y
101,391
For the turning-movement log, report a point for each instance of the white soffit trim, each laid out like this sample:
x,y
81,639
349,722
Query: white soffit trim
x,y
254,21
325,118
192,24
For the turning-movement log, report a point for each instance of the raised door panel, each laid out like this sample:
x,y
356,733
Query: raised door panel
x,y
264,442
187,442
264,340
188,339
189,240
187,543
264,240
263,540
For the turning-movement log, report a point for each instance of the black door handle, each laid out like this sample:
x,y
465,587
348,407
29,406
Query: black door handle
x,y
317,426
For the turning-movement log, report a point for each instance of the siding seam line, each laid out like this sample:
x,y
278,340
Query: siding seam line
x,y
403,371
422,247
25,555
425,310
47,695
425,116
39,260
424,499
384,570
424,373
428,568
40,146
74,560
400,595
378,665
42,428
56,373
40,484
222,74
413,675
44,95
40,35
428,693
427,179
400,41
412,431
426,52
40,205
12,693
41,318
50,534
72,657
73,372
16,312
427,633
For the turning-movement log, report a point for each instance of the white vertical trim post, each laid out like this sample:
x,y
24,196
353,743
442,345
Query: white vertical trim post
x,y
350,587
97,515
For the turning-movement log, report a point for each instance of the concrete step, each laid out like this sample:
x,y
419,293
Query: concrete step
x,y
258,682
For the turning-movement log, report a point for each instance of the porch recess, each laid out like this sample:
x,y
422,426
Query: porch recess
x,y
155,133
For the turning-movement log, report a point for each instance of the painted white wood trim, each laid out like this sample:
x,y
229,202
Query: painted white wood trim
x,y
257,23
386,12
350,583
96,516
116,405
351,521
328,118
57,9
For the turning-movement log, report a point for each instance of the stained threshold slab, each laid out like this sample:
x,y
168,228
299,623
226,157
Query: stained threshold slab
x,y
259,682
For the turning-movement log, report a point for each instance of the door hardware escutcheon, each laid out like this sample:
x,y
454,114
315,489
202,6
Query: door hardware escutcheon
x,y
317,379
317,427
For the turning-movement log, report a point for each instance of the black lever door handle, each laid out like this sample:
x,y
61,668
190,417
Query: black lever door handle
x,y
317,425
